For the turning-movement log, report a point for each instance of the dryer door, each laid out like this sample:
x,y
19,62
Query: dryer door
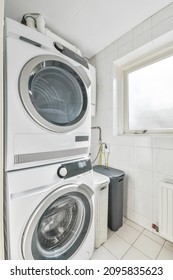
x,y
54,92
59,225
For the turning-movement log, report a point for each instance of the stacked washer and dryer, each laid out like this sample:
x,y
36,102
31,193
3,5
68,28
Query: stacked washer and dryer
x,y
48,174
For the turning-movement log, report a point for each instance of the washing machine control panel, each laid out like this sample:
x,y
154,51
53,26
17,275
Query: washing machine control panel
x,y
67,52
70,169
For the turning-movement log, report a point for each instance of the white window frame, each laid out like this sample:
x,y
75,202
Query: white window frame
x,y
154,51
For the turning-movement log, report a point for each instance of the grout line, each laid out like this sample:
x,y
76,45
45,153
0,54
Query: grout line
x,y
131,245
147,235
126,252
153,239
160,251
110,252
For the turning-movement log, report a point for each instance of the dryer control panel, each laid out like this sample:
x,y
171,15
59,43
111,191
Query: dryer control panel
x,y
75,168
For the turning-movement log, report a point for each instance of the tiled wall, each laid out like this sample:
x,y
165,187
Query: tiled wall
x,y
146,160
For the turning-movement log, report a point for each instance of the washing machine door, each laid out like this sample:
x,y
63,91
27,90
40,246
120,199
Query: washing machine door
x,y
54,92
59,225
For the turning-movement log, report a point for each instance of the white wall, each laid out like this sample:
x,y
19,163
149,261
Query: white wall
x,y
146,160
1,128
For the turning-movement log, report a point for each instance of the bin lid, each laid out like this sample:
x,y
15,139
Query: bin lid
x,y
100,179
108,171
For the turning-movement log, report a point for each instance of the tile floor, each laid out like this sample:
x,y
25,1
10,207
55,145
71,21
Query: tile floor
x,y
133,242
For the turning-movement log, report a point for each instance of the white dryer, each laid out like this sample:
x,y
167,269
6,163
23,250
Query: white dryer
x,y
47,114
49,212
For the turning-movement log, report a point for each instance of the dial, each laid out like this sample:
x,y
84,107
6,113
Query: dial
x,y
62,171
58,46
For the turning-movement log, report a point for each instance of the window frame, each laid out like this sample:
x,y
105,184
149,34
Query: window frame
x,y
137,59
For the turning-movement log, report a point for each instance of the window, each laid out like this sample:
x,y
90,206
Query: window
x,y
148,95
146,92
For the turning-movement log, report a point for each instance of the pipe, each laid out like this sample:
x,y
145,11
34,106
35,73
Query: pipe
x,y
30,22
100,132
40,23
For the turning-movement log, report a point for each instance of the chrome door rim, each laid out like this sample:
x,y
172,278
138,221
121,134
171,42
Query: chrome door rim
x,y
46,202
24,92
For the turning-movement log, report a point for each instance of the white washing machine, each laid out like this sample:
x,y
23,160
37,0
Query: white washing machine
x,y
48,110
49,212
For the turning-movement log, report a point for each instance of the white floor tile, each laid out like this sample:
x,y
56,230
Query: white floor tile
x,y
110,232
147,246
154,237
128,233
134,225
117,246
102,254
165,254
134,254
169,245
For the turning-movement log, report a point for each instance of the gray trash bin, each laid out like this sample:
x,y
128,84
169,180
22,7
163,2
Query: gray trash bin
x,y
115,200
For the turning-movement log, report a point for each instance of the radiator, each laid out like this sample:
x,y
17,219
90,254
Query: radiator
x,y
166,210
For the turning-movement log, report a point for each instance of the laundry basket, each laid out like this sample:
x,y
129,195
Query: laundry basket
x,y
101,183
115,208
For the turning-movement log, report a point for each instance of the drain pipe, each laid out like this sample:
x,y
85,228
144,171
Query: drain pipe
x,y
100,144
100,132
40,23
30,21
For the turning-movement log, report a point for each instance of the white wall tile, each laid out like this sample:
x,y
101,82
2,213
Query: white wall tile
x,y
163,142
129,213
142,39
125,49
143,204
129,198
163,27
129,179
142,27
125,155
143,221
143,158
143,181
125,39
142,141
124,140
163,161
162,15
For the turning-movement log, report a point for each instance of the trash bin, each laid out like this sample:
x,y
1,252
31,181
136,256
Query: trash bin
x,y
115,198
101,183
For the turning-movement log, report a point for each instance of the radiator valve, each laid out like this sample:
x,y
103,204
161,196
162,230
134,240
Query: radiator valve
x,y
154,226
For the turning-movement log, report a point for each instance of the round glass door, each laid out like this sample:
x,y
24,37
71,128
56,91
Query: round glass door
x,y
61,228
53,94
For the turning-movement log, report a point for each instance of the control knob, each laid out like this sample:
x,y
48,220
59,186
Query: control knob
x,y
58,46
62,171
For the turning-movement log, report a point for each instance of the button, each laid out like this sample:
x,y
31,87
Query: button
x,y
58,46
62,171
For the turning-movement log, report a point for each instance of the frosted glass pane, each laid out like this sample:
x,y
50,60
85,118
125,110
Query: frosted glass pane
x,y
150,93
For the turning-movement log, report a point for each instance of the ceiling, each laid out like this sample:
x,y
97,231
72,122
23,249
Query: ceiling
x,y
91,25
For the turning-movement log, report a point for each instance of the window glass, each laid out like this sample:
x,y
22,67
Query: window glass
x,y
150,96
